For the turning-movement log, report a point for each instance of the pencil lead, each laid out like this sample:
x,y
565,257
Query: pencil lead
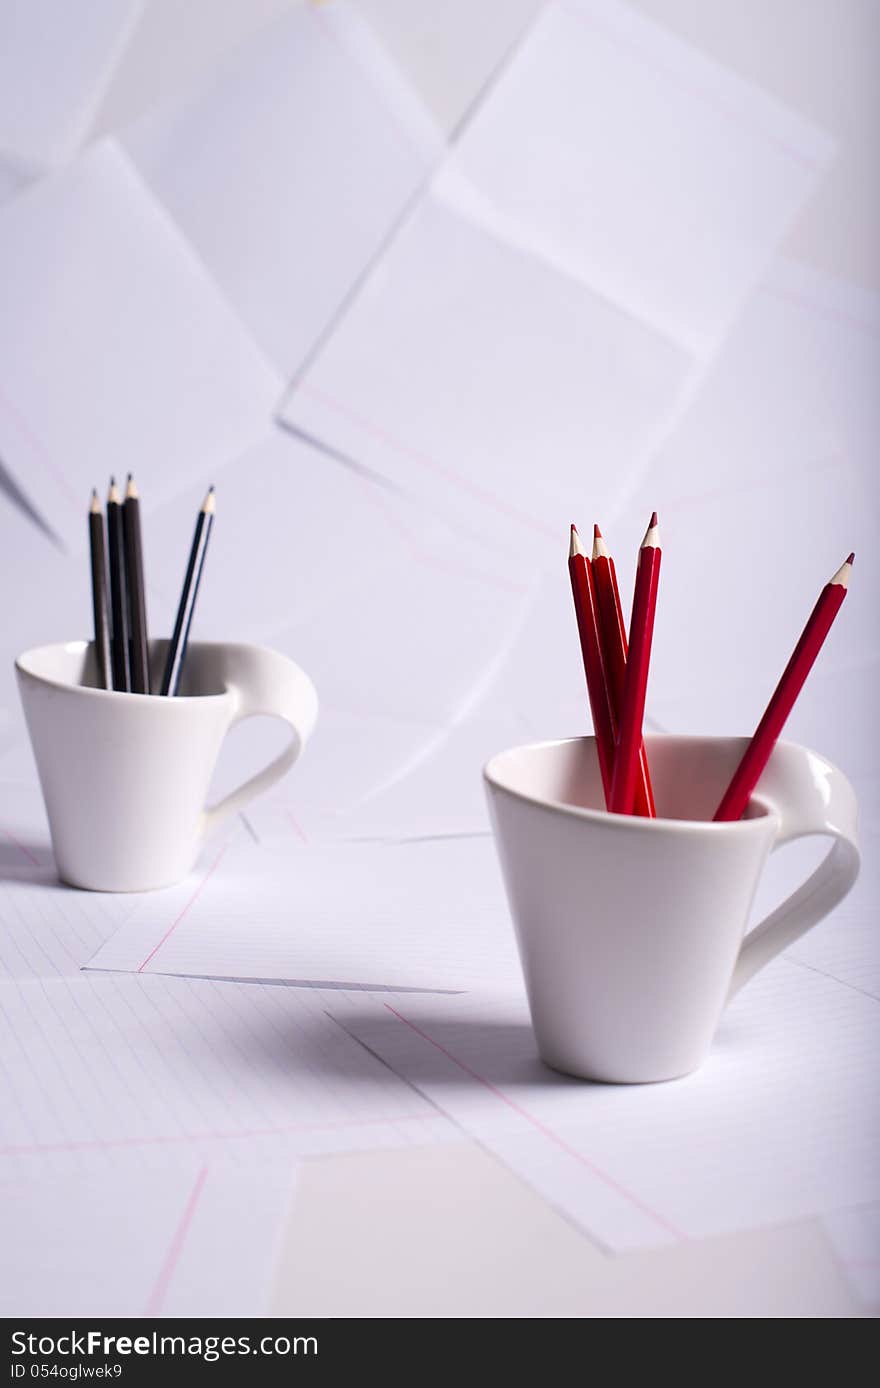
x,y
575,547
597,533
851,557
653,520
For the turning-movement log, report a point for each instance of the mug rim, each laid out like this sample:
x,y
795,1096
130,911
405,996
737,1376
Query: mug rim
x,y
631,822
142,700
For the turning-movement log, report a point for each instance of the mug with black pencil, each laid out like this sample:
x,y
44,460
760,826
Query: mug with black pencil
x,y
126,731
631,862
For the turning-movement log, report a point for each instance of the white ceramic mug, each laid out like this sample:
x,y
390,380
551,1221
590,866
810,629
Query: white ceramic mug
x,y
631,931
125,776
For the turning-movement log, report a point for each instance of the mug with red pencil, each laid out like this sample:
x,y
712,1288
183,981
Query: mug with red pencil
x,y
631,863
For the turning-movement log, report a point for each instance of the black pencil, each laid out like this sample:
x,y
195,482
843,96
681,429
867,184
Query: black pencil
x,y
134,585
177,649
118,602
99,593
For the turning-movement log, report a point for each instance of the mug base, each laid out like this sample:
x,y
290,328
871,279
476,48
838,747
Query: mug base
x,y
599,1075
118,889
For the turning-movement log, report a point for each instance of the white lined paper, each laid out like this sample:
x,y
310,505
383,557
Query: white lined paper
x,y
778,1124
102,1070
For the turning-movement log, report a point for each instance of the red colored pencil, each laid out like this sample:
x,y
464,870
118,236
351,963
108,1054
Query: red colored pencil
x,y
587,614
614,650
757,754
635,684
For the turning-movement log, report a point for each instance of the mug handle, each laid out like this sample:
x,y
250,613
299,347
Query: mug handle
x,y
808,796
265,682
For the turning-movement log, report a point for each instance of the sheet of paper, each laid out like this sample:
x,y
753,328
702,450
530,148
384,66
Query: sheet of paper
x,y
55,62
638,166
97,1070
523,1259
763,489
14,175
386,607
47,930
426,915
117,351
787,428
324,144
52,602
855,1238
779,1123
189,1238
366,777
571,311
529,390
790,391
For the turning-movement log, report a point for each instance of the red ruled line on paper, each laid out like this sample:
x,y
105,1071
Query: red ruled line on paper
x,y
542,1128
176,922
172,1257
416,455
22,847
107,1143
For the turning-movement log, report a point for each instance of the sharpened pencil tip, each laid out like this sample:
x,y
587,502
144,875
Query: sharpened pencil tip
x,y
842,576
600,549
209,505
575,547
113,494
96,500
131,490
652,534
